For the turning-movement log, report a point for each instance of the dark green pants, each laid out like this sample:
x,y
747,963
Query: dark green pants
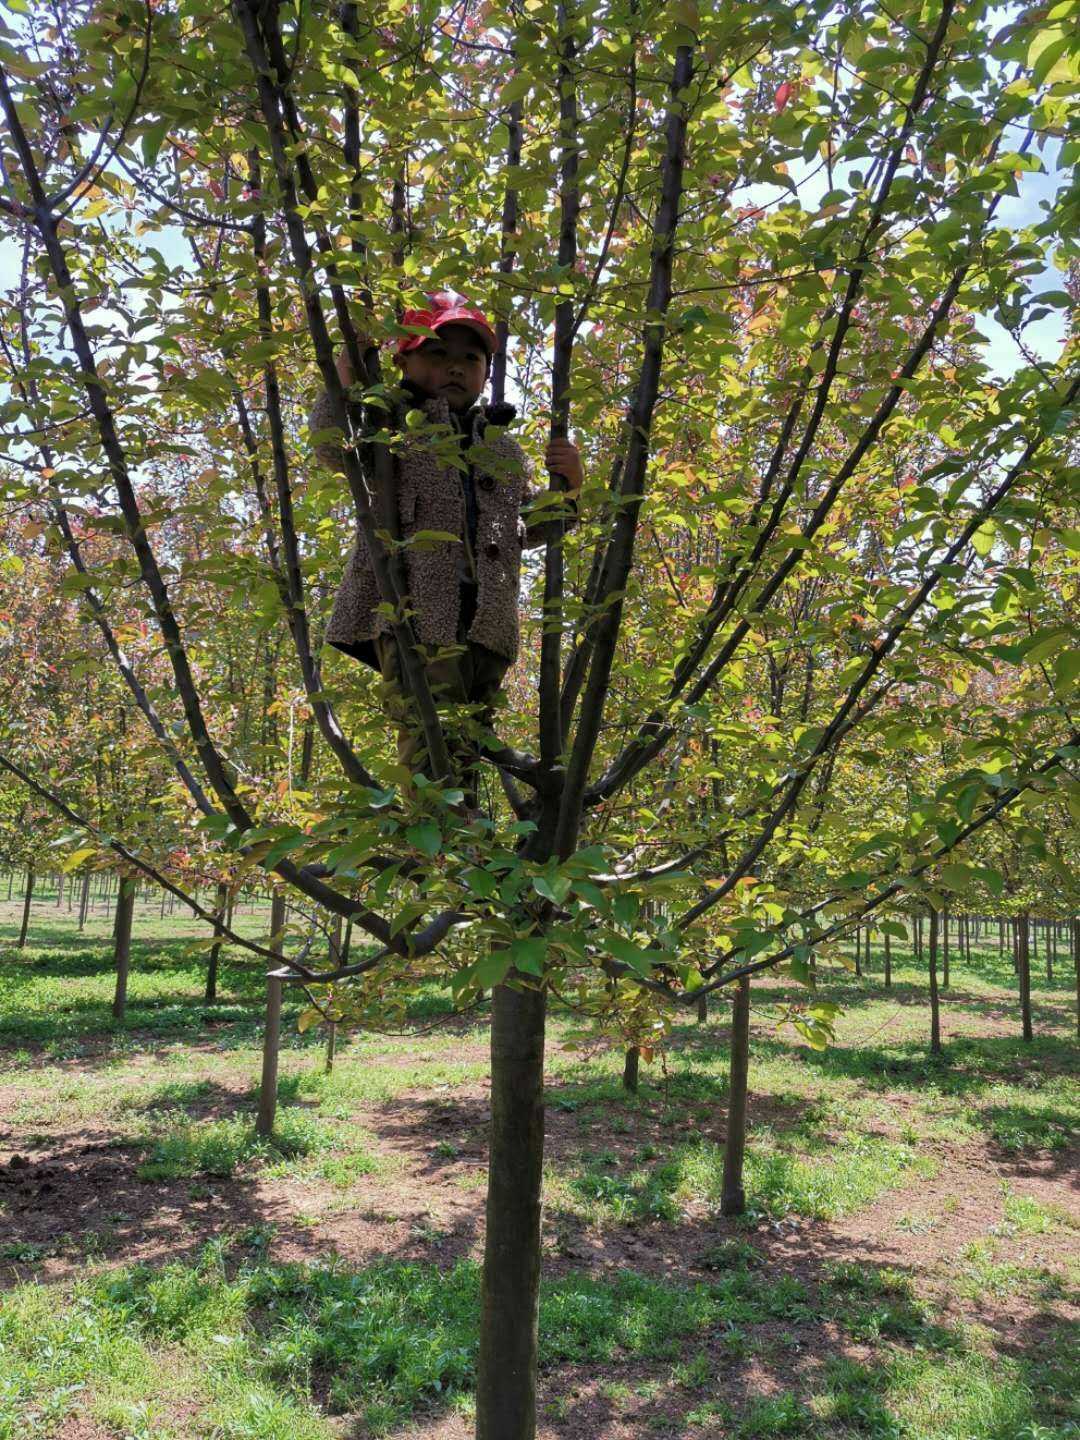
x,y
464,687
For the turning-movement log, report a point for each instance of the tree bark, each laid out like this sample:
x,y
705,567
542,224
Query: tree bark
x,y
935,1002
1051,948
27,898
506,1386
1075,930
331,1045
220,903
733,1195
702,1009
919,938
630,1069
84,901
945,949
264,1124
888,962
125,909
858,956
1023,959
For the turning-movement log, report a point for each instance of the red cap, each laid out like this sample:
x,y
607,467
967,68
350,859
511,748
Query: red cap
x,y
446,309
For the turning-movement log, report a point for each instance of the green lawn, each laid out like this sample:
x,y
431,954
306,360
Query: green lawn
x,y
218,1288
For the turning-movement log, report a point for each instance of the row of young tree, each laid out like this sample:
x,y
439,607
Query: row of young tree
x,y
808,656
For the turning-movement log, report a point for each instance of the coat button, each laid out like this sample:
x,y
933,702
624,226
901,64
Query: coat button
x,y
486,482
491,550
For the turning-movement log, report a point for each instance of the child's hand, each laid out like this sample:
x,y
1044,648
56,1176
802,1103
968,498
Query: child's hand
x,y
562,457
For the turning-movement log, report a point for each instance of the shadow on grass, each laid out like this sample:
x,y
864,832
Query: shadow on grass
x,y
748,1353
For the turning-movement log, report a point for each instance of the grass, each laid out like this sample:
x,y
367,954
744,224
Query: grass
x,y
855,1171
384,1341
235,1344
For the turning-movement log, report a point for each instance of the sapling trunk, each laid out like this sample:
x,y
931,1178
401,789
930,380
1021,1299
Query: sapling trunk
x,y
935,1003
702,1009
888,962
630,1069
944,949
733,1195
220,904
27,898
125,908
1051,948
506,1384
1075,932
1023,959
264,1124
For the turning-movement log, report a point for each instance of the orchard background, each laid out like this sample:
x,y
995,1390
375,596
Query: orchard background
x,y
769,919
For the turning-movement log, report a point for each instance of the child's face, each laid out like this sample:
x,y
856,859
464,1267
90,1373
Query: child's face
x,y
455,366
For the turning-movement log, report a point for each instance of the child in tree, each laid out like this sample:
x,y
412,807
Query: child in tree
x,y
464,591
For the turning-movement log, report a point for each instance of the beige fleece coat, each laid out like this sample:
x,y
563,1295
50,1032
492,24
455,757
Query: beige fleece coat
x,y
430,497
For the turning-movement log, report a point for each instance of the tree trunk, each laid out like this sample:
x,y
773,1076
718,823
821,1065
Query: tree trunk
x,y
1075,929
346,943
888,962
733,1196
935,1003
60,890
944,949
10,883
1023,957
858,959
866,947
702,1009
630,1069
919,938
1051,948
125,909
220,902
331,1045
84,900
264,1124
27,898
506,1384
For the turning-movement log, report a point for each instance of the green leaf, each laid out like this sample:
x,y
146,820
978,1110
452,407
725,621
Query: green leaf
x,y
406,915
639,960
516,88
528,955
281,848
491,969
425,837
554,888
73,861
480,882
